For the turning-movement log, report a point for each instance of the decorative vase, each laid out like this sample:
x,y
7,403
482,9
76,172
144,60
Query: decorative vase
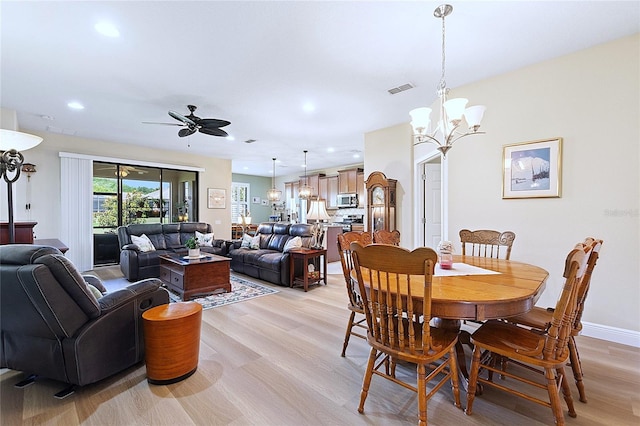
x,y
194,253
446,259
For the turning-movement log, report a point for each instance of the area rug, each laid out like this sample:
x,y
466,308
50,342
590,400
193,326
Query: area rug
x,y
241,290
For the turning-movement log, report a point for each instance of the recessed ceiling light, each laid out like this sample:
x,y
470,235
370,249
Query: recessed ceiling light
x,y
75,105
107,29
308,107
330,149
231,138
356,155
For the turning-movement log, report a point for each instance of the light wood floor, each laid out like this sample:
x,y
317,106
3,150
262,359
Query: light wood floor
x,y
275,360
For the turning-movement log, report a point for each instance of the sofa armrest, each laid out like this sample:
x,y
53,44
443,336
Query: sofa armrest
x,y
131,247
96,282
113,300
233,244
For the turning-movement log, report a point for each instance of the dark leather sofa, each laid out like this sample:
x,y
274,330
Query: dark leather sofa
x,y
52,325
166,238
269,262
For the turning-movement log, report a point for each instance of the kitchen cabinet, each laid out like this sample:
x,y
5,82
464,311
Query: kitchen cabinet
x,y
347,181
314,182
290,192
328,191
332,192
361,190
322,190
381,202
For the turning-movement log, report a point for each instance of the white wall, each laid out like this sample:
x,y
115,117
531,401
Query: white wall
x,y
45,183
592,100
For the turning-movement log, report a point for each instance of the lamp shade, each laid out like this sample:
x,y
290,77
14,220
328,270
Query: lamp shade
x,y
10,139
455,108
474,114
420,118
318,211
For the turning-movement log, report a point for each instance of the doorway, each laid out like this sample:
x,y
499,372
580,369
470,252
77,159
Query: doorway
x,y
430,212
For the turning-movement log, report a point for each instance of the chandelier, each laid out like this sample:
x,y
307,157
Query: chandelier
x,y
274,194
452,111
305,191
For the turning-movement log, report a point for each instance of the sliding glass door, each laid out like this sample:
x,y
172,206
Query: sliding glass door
x,y
126,194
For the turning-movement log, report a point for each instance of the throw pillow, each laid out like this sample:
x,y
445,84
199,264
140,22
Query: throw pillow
x,y
143,242
95,291
246,241
255,243
295,242
205,240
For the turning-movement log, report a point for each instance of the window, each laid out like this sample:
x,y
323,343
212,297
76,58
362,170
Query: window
x,y
239,200
125,194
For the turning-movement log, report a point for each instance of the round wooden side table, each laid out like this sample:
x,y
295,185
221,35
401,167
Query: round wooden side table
x,y
172,341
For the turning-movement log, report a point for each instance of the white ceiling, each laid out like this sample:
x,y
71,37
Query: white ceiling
x,y
257,63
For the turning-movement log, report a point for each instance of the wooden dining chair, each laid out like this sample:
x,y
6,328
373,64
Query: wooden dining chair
x,y
540,318
356,319
399,326
487,243
545,353
383,236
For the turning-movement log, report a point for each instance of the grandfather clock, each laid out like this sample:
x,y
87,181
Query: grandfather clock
x,y
381,202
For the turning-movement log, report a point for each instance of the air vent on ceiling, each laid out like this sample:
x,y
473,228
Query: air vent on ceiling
x,y
250,141
402,88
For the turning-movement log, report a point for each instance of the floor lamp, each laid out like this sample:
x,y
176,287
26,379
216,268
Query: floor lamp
x,y
12,144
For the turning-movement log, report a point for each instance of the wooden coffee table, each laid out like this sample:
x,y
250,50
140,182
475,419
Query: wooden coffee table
x,y
195,277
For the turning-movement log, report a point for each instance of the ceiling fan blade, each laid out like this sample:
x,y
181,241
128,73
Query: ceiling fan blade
x,y
213,122
182,118
164,124
213,131
186,132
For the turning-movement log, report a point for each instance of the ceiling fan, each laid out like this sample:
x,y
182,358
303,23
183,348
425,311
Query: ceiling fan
x,y
124,170
192,124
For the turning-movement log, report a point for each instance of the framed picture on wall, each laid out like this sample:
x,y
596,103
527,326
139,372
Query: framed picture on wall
x,y
216,198
532,169
256,200
265,202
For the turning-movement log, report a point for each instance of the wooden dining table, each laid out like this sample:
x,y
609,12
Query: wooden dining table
x,y
512,291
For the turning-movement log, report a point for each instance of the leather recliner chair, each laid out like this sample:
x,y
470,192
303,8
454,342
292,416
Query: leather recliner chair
x,y
52,325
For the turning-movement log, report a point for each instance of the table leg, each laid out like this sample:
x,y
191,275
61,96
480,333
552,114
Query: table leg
x,y
463,338
324,269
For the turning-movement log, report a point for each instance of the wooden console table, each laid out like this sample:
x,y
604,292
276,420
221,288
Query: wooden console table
x,y
23,235
53,242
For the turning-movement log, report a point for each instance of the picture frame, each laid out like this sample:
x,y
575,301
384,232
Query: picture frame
x,y
216,198
265,202
532,169
255,200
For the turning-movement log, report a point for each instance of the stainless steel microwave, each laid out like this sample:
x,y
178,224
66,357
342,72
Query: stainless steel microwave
x,y
347,200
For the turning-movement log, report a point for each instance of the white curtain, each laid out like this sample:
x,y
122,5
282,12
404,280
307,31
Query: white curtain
x,y
76,201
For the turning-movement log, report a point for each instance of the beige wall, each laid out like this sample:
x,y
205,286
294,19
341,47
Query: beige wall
x,y
591,99
45,183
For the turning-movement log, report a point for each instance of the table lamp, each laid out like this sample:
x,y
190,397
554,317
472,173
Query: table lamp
x,y
317,212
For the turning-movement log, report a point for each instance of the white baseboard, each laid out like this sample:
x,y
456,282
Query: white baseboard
x,y
611,334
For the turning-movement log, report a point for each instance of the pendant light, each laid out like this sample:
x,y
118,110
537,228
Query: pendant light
x,y
305,191
274,194
453,112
